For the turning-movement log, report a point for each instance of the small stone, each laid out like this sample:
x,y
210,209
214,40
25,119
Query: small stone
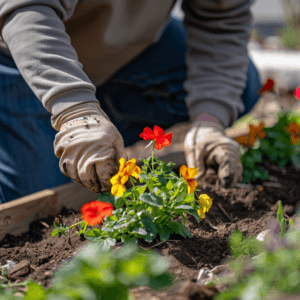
x,y
48,273
20,269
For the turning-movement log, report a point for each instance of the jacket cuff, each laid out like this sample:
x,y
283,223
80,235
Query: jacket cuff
x,y
215,109
64,101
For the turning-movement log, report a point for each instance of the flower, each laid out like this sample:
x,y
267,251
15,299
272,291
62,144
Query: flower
x,y
188,174
297,93
294,129
125,170
160,139
242,140
205,202
268,86
94,212
255,131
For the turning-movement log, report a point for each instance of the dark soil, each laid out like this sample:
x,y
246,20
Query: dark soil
x,y
249,209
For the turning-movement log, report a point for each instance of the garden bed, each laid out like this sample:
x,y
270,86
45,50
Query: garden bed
x,y
248,209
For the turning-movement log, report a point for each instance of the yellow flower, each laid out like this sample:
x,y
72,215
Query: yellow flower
x,y
189,174
125,170
205,203
132,169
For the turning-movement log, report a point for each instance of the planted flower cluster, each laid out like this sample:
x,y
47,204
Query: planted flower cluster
x,y
150,208
279,144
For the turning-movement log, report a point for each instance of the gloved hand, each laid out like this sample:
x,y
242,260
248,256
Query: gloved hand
x,y
206,145
89,146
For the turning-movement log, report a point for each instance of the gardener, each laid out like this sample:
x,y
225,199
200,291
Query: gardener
x,y
60,59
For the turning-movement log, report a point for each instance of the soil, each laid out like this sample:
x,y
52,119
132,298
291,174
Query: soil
x,y
249,210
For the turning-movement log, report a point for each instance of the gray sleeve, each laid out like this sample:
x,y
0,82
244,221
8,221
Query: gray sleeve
x,y
217,35
42,51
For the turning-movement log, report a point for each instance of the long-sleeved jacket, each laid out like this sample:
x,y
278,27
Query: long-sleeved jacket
x,y
64,48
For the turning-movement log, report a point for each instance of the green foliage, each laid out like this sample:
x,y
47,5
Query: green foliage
x,y
98,274
274,271
276,146
148,210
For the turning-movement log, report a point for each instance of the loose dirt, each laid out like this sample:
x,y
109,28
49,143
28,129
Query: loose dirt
x,y
248,209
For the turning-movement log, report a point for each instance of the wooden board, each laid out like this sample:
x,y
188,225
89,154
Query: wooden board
x,y
16,215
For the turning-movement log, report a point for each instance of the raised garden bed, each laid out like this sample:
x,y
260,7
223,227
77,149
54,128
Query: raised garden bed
x,y
249,209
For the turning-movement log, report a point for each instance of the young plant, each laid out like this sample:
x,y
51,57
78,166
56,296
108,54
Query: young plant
x,y
97,274
279,143
149,209
274,270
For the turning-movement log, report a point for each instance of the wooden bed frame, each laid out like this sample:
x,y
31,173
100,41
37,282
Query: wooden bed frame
x,y
16,215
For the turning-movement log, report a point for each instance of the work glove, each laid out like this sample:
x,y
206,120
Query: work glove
x,y
206,145
88,145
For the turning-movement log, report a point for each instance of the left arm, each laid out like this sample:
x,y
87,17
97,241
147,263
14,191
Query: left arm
x,y
217,35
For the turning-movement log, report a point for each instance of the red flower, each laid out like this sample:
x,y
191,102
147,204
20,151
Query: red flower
x,y
94,212
158,136
297,93
268,86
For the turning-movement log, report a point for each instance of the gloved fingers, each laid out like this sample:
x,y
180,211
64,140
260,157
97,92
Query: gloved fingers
x,y
67,168
95,168
120,150
230,168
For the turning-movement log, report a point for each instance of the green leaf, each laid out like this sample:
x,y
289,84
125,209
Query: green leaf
x,y
194,213
107,197
280,217
35,291
161,179
107,244
180,196
161,281
143,178
149,226
93,233
55,225
55,232
184,207
171,183
119,202
139,231
152,199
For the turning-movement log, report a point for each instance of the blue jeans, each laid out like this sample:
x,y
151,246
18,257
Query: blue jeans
x,y
151,83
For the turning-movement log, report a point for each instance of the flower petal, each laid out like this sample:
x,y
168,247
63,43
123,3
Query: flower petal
x,y
118,190
147,134
183,171
115,179
158,132
191,186
192,172
201,213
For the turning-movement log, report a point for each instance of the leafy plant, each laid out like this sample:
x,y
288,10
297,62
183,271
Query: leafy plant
x,y
98,274
148,209
264,270
279,143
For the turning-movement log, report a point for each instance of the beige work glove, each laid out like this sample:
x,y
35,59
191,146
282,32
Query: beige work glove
x,y
206,145
88,145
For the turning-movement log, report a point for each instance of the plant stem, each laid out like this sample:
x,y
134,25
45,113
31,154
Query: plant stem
x,y
74,225
152,158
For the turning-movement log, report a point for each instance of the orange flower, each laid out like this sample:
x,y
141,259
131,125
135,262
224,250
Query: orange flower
x,y
255,131
94,212
268,86
260,133
189,174
125,170
160,139
242,140
294,129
